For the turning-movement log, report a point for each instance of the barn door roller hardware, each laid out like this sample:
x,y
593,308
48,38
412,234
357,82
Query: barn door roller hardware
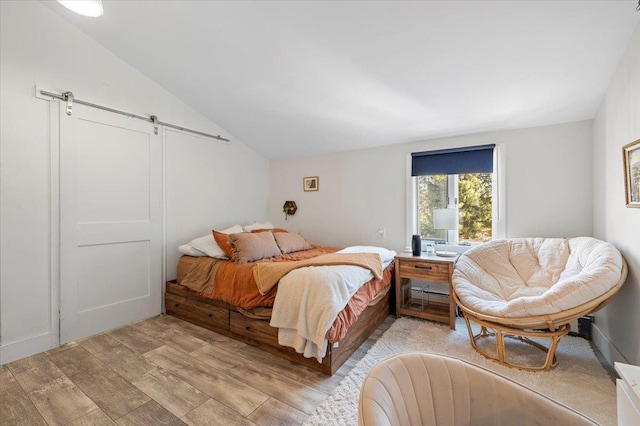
x,y
69,98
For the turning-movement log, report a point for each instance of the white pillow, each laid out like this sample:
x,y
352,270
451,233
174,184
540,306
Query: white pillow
x,y
190,251
385,254
209,246
254,226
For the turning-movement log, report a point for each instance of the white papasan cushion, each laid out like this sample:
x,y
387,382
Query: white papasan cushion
x,y
523,277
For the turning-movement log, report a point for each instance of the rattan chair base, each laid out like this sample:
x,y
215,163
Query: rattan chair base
x,y
500,332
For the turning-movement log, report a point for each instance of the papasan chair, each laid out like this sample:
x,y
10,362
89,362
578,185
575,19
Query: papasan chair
x,y
532,288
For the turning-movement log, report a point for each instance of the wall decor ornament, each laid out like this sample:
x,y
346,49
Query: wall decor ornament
x,y
631,162
311,183
289,208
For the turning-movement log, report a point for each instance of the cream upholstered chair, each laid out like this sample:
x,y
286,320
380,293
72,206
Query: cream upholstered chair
x,y
529,288
428,389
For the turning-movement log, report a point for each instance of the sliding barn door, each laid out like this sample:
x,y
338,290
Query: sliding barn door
x,y
110,222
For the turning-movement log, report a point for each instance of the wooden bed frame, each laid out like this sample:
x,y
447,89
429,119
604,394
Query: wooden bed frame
x,y
228,321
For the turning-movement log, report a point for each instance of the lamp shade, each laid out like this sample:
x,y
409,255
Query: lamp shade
x,y
445,219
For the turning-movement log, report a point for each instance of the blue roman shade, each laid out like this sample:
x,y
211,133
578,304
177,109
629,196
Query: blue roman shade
x,y
475,159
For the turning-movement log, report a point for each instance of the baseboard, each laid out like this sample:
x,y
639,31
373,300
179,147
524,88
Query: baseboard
x,y
604,345
23,348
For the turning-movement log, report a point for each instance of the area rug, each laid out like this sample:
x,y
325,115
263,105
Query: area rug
x,y
579,382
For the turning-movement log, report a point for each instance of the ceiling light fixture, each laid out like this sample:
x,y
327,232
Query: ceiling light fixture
x,y
91,8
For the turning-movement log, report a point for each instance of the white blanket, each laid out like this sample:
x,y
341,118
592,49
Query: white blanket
x,y
309,300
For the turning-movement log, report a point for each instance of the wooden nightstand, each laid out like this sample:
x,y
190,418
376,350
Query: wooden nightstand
x,y
425,268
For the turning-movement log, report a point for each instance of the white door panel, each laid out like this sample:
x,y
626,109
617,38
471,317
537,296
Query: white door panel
x,y
113,176
114,278
110,222
109,233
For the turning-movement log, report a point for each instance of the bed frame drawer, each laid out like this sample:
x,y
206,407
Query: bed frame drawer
x,y
226,320
255,329
204,313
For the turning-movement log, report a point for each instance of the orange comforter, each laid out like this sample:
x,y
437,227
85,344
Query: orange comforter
x,y
234,284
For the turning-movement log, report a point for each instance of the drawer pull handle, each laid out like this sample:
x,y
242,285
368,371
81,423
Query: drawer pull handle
x,y
248,327
176,304
424,267
210,315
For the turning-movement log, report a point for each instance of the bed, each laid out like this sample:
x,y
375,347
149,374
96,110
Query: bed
x,y
226,296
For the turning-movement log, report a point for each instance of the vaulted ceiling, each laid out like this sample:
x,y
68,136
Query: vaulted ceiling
x,y
301,78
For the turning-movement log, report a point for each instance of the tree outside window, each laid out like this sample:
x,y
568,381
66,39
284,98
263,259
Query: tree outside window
x,y
471,193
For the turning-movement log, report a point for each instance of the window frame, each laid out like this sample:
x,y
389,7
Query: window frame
x,y
498,182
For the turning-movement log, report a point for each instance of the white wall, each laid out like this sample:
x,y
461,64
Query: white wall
x,y
39,47
548,187
210,185
617,327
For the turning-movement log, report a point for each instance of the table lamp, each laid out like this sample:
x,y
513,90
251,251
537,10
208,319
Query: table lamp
x,y
446,219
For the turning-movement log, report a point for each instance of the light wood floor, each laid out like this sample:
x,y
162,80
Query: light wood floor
x,y
163,371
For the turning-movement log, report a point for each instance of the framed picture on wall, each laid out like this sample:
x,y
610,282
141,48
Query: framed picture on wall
x,y
631,161
311,183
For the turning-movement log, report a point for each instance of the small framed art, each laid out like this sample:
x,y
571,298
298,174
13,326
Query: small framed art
x,y
311,183
631,161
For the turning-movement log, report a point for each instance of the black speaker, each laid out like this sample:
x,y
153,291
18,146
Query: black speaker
x,y
416,245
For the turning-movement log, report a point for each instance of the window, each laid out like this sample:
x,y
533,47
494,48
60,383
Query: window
x,y
470,193
433,193
460,178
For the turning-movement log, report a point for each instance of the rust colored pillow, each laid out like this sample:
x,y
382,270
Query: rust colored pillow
x,y
290,242
223,242
249,246
269,230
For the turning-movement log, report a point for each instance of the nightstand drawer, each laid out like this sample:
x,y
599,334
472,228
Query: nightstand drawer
x,y
422,270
